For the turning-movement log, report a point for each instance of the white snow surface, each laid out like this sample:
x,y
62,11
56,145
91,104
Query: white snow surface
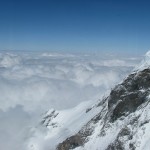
x,y
65,124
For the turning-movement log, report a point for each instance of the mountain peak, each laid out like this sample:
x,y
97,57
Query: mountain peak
x,y
145,63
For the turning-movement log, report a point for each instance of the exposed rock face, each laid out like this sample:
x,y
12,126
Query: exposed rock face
x,y
119,108
48,117
130,94
71,143
118,144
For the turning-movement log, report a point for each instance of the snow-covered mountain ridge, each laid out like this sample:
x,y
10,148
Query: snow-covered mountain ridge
x,y
118,121
124,122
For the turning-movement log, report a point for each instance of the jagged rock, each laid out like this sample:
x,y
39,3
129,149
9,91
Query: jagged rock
x,y
128,96
71,143
118,144
48,116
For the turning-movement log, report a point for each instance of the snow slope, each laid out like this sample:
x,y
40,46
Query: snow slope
x,y
62,124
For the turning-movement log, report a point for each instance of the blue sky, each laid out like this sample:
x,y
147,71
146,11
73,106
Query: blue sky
x,y
75,25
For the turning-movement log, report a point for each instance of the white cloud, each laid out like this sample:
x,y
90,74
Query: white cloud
x,y
31,83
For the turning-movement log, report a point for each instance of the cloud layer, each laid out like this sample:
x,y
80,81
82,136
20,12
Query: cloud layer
x,y
31,83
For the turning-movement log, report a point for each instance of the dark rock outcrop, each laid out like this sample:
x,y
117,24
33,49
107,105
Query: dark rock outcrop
x,y
125,98
71,143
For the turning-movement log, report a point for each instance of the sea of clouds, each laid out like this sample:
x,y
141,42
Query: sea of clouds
x,y
33,82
